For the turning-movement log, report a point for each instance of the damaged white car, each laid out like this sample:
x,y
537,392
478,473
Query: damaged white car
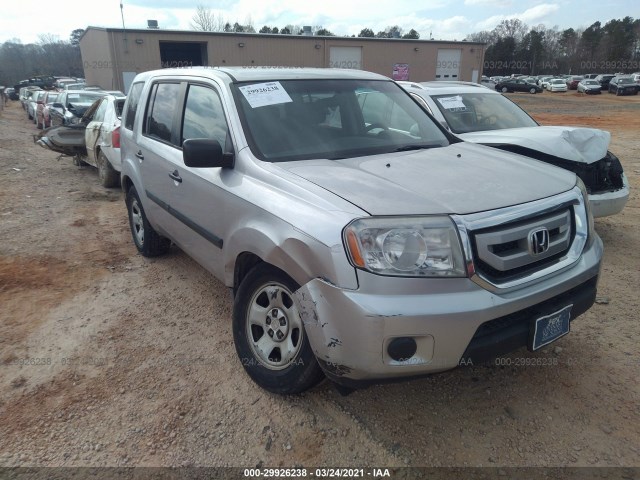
x,y
479,115
94,140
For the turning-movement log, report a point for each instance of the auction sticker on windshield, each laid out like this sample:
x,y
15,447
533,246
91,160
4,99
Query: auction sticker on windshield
x,y
453,103
263,94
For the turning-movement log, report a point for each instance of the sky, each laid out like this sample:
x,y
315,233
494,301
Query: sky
x,y
26,20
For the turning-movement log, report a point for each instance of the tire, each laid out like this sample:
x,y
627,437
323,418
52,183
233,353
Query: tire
x,y
146,239
285,365
109,177
617,93
532,90
504,89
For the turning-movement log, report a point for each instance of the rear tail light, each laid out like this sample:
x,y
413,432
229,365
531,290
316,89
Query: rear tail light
x,y
115,138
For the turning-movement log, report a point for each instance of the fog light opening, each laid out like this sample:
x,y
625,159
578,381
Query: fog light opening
x,y
402,349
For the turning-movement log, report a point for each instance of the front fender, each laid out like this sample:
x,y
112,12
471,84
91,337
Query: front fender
x,y
302,257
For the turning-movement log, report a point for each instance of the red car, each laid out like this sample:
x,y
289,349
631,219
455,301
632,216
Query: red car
x,y
43,119
572,82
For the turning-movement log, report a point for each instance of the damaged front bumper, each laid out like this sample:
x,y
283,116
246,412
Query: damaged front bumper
x,y
350,331
610,203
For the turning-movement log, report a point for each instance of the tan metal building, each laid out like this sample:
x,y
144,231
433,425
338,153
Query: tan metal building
x,y
112,57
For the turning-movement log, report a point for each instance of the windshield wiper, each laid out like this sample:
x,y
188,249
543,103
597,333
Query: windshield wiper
x,y
407,148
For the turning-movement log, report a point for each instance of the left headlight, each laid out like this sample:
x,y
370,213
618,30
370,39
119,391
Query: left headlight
x,y
410,246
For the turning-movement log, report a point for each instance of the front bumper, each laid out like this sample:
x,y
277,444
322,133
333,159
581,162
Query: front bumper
x,y
610,203
349,331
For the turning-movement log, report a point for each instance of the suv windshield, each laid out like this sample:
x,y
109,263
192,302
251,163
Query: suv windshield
x,y
305,119
474,112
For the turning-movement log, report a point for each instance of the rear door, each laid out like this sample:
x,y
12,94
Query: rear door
x,y
95,115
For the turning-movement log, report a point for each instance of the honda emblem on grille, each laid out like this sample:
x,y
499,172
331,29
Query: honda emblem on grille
x,y
538,241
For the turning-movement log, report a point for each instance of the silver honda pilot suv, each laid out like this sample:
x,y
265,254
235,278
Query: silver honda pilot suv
x,y
362,242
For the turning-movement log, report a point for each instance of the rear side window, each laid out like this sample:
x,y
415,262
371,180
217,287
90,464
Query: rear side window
x,y
161,110
132,105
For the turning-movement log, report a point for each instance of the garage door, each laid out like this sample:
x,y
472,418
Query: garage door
x,y
448,65
345,57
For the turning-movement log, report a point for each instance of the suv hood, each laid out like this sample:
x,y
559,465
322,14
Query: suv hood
x,y
461,178
584,145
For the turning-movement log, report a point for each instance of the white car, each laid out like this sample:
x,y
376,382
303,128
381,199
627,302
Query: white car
x,y
478,115
95,140
102,139
557,85
544,81
32,104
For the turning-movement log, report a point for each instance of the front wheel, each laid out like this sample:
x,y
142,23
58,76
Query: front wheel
x,y
532,90
269,335
504,89
148,242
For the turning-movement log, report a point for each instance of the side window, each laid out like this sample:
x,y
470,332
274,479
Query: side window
x,y
132,104
204,116
161,109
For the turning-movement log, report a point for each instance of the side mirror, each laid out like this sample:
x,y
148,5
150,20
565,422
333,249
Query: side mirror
x,y
57,105
205,153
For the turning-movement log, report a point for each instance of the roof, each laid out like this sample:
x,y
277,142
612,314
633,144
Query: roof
x,y
249,74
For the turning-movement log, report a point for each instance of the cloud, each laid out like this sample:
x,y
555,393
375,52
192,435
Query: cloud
x,y
532,16
539,13
488,3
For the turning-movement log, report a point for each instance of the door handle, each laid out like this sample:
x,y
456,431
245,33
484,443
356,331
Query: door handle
x,y
140,155
176,176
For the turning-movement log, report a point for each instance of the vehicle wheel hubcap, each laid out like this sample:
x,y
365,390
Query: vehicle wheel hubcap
x,y
273,326
137,222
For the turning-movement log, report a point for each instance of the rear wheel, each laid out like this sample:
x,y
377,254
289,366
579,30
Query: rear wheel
x,y
109,177
148,242
269,335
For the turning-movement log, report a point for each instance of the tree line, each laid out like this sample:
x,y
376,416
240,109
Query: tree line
x,y
513,47
48,56
205,20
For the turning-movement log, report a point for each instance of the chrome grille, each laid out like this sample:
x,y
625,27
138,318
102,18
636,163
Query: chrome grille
x,y
571,202
512,248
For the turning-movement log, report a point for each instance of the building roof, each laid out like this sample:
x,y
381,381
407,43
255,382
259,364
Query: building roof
x,y
159,31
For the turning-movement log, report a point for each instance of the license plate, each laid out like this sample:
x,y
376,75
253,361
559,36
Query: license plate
x,y
550,328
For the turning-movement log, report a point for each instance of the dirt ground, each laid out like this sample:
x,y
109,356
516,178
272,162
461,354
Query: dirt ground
x,y
110,359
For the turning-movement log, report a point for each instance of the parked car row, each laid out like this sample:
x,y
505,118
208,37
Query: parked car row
x,y
618,84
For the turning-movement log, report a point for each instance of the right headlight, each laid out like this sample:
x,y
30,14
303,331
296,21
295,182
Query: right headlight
x,y
405,246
